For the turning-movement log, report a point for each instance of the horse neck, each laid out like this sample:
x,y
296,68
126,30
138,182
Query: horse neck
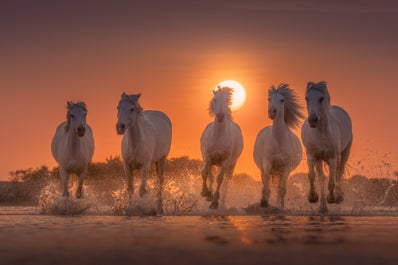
x,y
324,127
135,130
73,140
220,128
279,127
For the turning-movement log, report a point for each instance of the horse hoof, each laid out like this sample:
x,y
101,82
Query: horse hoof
x,y
214,205
205,193
142,192
264,203
339,199
313,197
323,209
330,198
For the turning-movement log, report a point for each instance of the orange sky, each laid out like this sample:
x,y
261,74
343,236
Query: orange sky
x,y
175,52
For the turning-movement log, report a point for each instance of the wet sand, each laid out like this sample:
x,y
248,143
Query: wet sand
x,y
90,239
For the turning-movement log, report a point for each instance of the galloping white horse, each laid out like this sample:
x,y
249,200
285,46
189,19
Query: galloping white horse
x,y
277,150
146,140
73,146
221,143
327,136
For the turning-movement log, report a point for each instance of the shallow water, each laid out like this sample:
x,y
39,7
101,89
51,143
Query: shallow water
x,y
27,237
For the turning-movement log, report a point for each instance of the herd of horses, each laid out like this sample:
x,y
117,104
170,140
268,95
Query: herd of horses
x,y
326,134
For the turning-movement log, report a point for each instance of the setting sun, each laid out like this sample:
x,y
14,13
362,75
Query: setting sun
x,y
239,96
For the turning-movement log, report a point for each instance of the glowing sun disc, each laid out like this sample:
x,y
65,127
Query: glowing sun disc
x,y
239,94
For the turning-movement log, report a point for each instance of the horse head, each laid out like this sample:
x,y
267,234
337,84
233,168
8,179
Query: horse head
x,y
318,102
127,111
76,118
219,105
276,103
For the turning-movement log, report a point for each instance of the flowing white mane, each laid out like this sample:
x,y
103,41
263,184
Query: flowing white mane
x,y
293,109
224,93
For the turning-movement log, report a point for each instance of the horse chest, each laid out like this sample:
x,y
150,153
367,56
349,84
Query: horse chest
x,y
218,155
74,165
324,152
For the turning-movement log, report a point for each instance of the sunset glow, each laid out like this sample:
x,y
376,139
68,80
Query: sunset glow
x,y
55,51
239,94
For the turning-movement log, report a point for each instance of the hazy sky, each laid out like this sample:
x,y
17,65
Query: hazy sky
x,y
175,52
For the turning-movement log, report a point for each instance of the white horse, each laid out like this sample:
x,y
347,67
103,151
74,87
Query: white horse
x,y
327,136
146,140
221,144
73,146
277,150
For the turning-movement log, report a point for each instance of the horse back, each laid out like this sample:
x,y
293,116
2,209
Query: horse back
x,y
161,125
345,125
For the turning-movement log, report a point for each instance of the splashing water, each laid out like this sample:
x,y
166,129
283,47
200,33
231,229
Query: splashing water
x,y
52,202
131,205
181,196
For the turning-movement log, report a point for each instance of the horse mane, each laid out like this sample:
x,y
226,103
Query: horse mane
x,y
133,98
69,106
321,87
293,109
228,92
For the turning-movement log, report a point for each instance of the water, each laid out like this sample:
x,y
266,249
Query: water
x,y
112,228
28,237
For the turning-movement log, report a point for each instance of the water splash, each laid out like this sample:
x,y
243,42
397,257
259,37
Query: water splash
x,y
51,201
133,205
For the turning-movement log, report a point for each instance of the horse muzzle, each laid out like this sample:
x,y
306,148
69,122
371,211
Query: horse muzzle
x,y
313,121
220,117
81,130
272,114
120,128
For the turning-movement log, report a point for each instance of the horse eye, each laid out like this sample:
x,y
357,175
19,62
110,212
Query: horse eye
x,y
72,116
306,99
321,99
282,100
132,109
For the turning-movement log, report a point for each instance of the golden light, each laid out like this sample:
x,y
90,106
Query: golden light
x,y
239,95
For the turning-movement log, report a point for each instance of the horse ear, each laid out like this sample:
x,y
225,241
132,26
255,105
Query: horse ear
x,y
135,97
69,104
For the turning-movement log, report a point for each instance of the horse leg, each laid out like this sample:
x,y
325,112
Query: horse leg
x,y
64,179
282,187
205,174
312,195
81,178
130,180
340,173
226,183
319,168
332,173
216,196
159,172
145,170
265,175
